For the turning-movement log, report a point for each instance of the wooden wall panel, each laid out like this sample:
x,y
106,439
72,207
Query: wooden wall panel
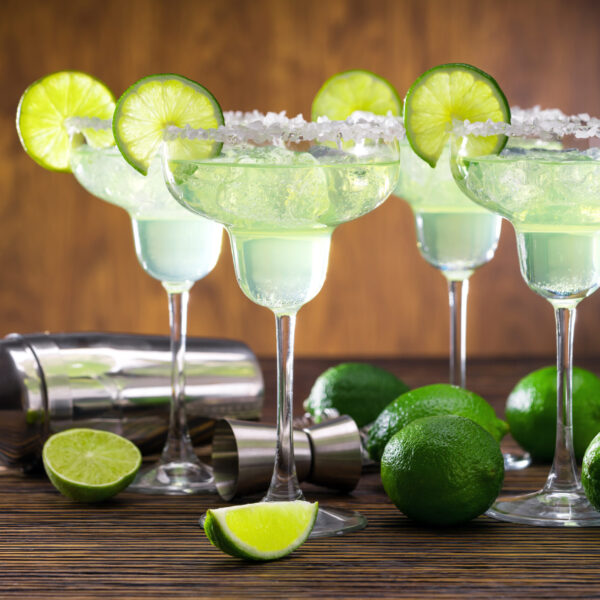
x,y
67,260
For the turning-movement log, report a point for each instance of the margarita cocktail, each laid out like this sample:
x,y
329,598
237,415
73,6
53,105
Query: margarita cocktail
x,y
552,198
280,207
64,124
177,248
454,235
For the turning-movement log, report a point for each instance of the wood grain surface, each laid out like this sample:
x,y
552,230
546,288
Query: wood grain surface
x,y
151,547
67,260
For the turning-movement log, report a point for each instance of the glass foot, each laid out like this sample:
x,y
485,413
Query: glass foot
x,y
175,478
516,462
336,521
547,509
330,522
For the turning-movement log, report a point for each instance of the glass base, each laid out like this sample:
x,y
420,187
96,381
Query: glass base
x,y
330,522
547,509
175,478
516,462
336,521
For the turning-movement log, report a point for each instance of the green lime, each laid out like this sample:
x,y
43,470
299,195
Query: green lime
x,y
590,472
45,107
346,92
447,92
90,465
531,412
261,531
442,470
436,399
359,390
153,103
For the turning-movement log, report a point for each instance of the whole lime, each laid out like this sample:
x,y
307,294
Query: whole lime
x,y
359,390
531,412
442,470
427,401
590,472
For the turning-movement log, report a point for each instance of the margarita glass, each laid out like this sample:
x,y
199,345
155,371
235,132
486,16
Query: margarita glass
x,y
177,248
552,198
454,235
280,203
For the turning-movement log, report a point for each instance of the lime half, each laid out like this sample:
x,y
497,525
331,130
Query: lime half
x,y
261,531
153,103
89,465
447,92
45,107
344,93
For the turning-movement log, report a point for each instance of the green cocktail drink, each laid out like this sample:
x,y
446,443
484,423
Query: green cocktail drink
x,y
552,198
280,208
454,235
178,248
64,122
172,245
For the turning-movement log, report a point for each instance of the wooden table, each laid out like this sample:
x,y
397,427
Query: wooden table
x,y
149,547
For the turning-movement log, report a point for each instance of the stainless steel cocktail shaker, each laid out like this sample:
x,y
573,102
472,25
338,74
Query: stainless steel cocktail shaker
x,y
117,382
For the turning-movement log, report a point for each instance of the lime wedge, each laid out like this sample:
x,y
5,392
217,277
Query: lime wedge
x,y
155,102
349,91
46,105
261,531
89,465
447,92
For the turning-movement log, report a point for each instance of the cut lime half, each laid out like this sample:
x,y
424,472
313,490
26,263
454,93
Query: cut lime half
x,y
89,465
261,531
356,90
48,103
152,104
448,92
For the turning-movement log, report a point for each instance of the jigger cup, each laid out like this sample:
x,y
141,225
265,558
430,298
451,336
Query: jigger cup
x,y
243,454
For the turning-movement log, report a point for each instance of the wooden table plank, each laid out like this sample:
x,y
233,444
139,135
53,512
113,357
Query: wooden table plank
x,y
139,546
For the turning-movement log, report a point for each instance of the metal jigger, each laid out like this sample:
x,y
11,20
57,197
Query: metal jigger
x,y
243,454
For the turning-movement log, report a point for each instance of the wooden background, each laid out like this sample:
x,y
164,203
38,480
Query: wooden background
x,y
67,260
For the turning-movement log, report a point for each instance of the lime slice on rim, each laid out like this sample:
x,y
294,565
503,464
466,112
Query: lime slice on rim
x,y
261,531
155,102
349,91
90,465
447,92
46,105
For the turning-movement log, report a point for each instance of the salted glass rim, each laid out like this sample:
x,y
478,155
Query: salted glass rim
x,y
257,127
535,122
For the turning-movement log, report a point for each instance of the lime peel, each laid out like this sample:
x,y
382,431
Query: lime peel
x,y
261,531
151,105
448,93
355,90
46,107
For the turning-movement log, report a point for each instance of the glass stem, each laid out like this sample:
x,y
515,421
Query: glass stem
x,y
457,295
179,447
563,475
284,484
